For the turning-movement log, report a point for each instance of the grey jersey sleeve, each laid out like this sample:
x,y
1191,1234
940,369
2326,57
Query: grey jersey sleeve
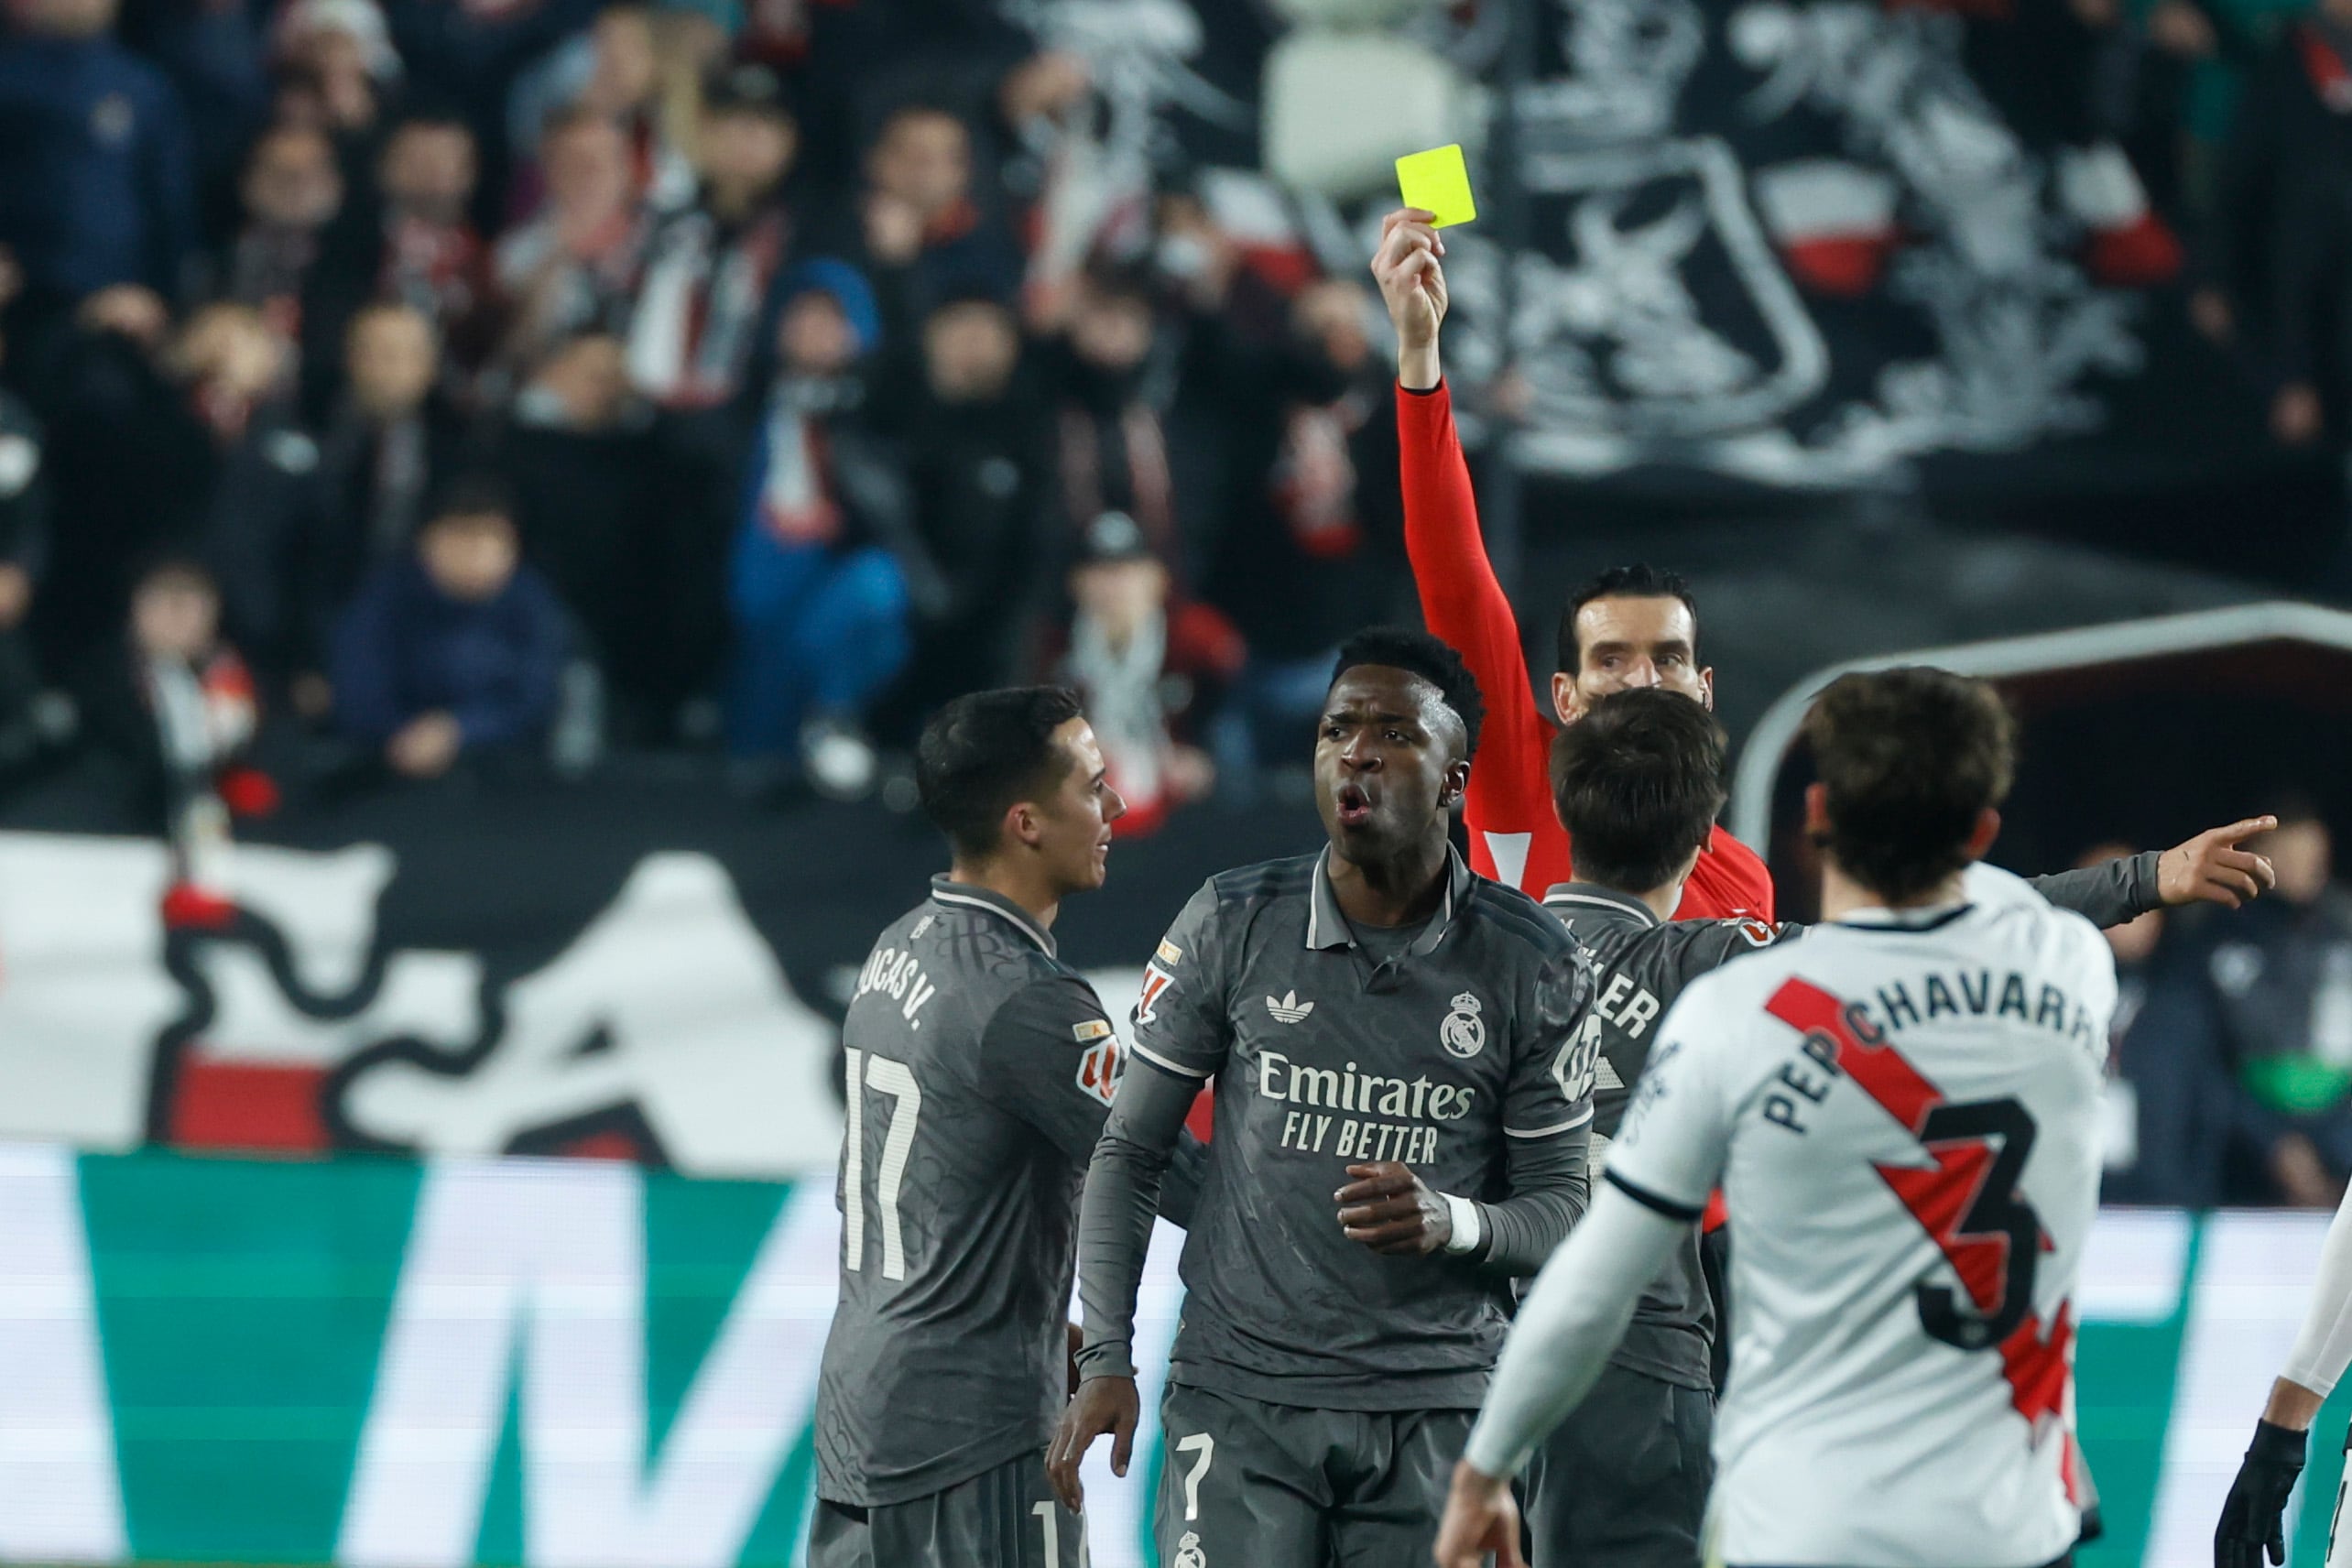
x,y
1550,1186
1547,1116
1181,1037
1123,1188
2108,893
1051,1058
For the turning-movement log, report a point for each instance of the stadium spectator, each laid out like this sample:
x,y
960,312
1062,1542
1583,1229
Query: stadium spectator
x,y
96,185
169,710
710,269
291,192
2271,1013
225,473
826,567
391,445
1112,447
972,430
1150,668
926,235
454,652
590,504
613,71
573,268
417,245
338,58
2281,228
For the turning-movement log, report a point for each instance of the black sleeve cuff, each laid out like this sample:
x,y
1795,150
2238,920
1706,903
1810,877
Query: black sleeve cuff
x,y
1681,1212
1422,391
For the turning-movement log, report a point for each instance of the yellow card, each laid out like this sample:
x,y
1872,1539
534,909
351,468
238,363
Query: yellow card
x,y
1438,182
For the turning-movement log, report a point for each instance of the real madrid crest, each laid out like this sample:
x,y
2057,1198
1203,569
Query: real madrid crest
x,y
1464,1033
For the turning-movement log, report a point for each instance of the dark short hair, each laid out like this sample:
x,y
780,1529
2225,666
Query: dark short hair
x,y
1401,648
1910,758
183,572
431,115
1639,581
984,752
1637,783
1115,283
472,496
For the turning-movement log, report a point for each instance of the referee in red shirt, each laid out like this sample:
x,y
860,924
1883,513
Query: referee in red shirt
x,y
1633,626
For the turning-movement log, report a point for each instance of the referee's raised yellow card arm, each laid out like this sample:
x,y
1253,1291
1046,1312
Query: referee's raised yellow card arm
x,y
1438,182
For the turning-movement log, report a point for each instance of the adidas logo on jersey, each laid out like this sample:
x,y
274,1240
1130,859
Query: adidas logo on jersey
x,y
1290,1009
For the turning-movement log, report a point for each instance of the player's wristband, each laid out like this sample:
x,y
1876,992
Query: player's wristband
x,y
1469,1225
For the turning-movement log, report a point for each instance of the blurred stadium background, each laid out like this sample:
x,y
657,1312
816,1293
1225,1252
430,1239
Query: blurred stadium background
x,y
420,946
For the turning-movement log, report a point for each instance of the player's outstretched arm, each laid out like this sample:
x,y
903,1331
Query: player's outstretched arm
x,y
1566,1329
1114,1218
2253,1518
2209,869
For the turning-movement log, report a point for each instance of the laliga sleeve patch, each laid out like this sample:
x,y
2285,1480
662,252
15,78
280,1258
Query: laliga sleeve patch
x,y
1099,1069
1157,983
1171,954
1093,1028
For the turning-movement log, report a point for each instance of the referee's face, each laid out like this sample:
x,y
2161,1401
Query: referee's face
x,y
1627,642
1386,774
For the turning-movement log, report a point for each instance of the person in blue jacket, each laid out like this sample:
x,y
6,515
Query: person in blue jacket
x,y
96,187
827,572
455,651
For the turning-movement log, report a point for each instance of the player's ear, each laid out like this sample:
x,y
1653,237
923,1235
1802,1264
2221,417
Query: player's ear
x,y
1567,706
1980,837
1457,783
1817,813
1022,825
1706,688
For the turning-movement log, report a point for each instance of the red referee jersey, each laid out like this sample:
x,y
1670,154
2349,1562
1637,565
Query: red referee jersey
x,y
1515,835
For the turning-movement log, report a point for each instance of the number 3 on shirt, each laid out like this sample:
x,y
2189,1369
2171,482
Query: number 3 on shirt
x,y
1993,1244
895,1079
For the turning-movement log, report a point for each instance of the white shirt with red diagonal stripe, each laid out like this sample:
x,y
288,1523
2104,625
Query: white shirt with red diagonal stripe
x,y
1903,1113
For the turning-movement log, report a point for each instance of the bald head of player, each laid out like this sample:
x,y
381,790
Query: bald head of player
x,y
1015,780
1392,759
1914,765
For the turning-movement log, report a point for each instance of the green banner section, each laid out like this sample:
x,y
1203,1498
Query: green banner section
x,y
575,1364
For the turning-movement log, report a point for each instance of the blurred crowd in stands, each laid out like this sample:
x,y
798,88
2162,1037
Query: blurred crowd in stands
x,y
469,383
484,386
2231,1073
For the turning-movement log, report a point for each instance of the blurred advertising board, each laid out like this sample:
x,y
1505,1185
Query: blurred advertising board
x,y
586,1364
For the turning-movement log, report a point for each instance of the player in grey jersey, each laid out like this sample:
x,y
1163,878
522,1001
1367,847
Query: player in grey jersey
x,y
1637,784
979,1069
1401,1128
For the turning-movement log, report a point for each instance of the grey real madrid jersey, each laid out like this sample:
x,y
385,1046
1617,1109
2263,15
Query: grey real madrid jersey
x,y
1440,1058
978,1071
1644,964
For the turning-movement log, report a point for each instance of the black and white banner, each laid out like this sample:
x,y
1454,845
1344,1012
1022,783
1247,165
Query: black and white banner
x,y
644,974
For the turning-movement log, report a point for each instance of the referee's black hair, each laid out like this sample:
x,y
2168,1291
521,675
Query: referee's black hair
x,y
1401,647
1637,783
985,752
1639,581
